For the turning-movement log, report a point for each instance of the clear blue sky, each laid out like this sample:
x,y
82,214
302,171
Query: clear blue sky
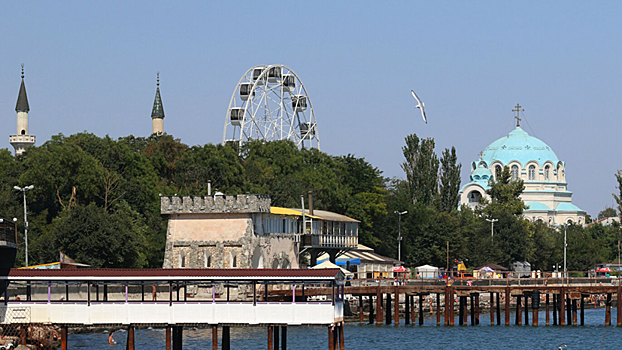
x,y
92,65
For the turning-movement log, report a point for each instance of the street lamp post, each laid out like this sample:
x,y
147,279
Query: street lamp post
x,y
565,245
24,189
399,233
492,228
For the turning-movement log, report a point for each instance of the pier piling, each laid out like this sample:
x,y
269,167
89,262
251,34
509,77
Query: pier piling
x,y
63,337
498,310
548,316
507,306
168,338
619,305
361,316
562,301
214,337
406,309
271,338
378,307
341,338
226,338
492,308
421,309
438,309
397,306
130,338
371,309
388,309
284,336
608,310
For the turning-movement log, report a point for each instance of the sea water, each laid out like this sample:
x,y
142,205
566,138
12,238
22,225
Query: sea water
x,y
594,335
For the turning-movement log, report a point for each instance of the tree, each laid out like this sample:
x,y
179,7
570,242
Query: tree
x,y
607,213
449,181
100,238
421,168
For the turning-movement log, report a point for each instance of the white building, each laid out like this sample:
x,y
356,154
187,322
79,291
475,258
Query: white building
x,y
546,194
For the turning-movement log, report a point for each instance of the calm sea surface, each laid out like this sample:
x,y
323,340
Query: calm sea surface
x,y
594,335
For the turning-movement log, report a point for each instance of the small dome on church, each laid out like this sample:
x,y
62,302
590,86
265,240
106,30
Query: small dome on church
x,y
481,174
519,146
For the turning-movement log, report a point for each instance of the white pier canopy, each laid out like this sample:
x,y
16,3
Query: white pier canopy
x,y
182,297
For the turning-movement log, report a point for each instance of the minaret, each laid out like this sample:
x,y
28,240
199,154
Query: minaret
x,y
157,113
22,140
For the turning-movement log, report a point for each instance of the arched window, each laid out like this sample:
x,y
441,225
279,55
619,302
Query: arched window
x,y
498,171
547,170
235,261
183,260
207,258
532,172
514,172
475,197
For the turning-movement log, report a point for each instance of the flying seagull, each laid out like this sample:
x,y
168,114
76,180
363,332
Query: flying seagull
x,y
420,105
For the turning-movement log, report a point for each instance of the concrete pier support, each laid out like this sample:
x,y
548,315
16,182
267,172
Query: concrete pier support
x,y
608,310
548,316
388,309
371,309
130,338
63,338
168,336
226,338
361,316
406,309
378,307
214,337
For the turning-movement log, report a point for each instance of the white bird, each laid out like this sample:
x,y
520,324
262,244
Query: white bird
x,y
421,106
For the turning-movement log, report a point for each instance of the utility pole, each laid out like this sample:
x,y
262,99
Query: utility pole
x,y
24,189
399,233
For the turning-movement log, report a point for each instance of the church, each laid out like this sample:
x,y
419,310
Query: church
x,y
546,192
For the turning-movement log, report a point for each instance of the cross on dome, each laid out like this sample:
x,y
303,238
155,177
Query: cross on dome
x,y
518,110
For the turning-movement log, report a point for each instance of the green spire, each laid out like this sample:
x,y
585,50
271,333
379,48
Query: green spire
x,y
158,109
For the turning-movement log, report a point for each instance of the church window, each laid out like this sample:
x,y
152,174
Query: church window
x,y
547,170
475,197
532,172
514,172
498,171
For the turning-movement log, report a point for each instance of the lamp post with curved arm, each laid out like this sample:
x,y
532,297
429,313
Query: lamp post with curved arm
x,y
24,189
399,233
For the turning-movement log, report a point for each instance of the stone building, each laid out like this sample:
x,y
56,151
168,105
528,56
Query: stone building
x,y
245,231
546,192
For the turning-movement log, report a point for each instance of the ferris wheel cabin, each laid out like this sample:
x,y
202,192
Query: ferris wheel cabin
x,y
256,74
289,83
307,130
246,91
299,103
236,115
274,74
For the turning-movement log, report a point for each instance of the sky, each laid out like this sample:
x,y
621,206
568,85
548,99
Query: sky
x,y
91,66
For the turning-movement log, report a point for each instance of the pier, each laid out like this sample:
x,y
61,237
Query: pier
x,y
40,305
563,300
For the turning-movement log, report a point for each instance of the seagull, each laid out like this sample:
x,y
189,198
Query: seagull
x,y
420,105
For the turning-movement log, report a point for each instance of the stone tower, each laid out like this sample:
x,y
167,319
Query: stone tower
x,y
22,140
157,113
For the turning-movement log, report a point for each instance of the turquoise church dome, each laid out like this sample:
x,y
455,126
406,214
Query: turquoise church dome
x,y
519,146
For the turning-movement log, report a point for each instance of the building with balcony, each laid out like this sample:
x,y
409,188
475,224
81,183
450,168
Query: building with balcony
x,y
245,231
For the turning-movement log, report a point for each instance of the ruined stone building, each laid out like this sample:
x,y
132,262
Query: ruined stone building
x,y
245,231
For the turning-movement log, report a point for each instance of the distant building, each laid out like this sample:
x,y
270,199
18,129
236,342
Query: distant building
x,y
22,140
245,231
546,194
364,263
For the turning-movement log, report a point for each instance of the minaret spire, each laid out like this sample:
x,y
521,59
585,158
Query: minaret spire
x,y
22,98
22,139
157,112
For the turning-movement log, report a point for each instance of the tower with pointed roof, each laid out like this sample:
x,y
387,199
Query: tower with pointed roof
x,y
22,139
157,112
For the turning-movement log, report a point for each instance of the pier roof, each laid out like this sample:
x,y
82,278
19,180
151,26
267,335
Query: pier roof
x,y
264,275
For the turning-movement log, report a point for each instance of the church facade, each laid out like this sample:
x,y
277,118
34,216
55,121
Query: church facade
x,y
546,192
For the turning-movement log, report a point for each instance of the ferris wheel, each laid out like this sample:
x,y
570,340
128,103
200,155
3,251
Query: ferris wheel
x,y
271,103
